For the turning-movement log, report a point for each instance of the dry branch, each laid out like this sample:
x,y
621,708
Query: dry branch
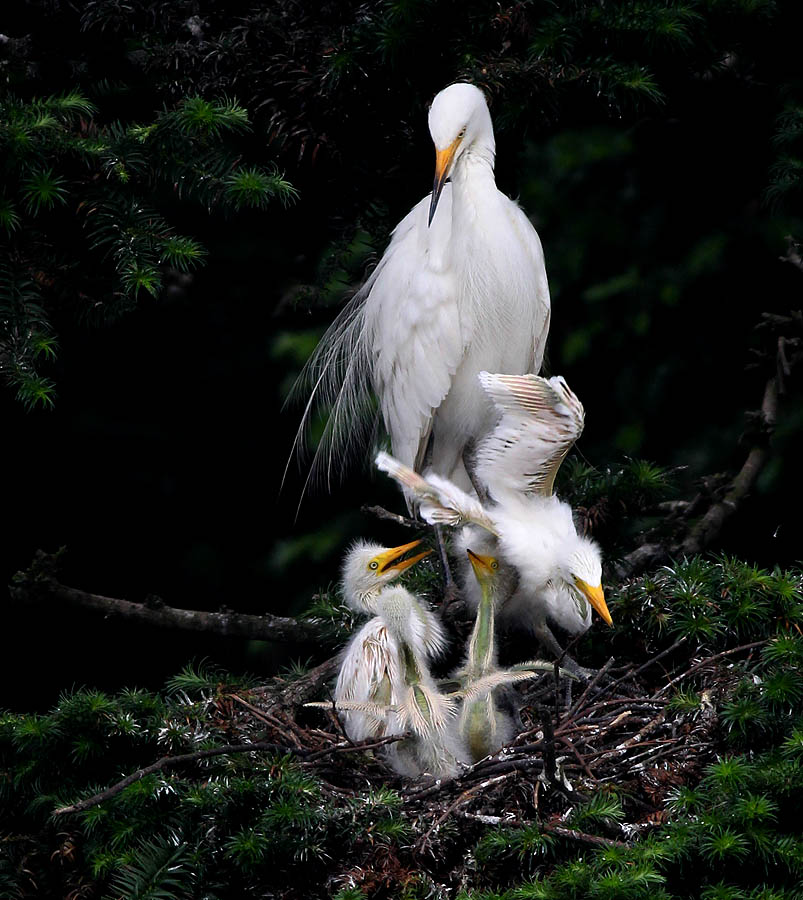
x,y
38,584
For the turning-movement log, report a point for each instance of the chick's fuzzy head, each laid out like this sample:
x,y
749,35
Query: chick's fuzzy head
x,y
369,567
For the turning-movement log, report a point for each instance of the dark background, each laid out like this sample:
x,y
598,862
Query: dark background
x,y
160,467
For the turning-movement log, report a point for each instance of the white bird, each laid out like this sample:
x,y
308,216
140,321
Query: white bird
x,y
373,669
369,568
460,288
484,725
384,684
559,572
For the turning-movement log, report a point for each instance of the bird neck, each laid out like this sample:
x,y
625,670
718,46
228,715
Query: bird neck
x,y
367,599
474,167
481,644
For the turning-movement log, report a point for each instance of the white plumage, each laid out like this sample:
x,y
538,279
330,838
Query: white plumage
x,y
384,685
460,288
556,573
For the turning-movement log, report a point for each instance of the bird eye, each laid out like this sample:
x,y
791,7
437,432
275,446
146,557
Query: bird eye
x,y
462,132
494,565
373,564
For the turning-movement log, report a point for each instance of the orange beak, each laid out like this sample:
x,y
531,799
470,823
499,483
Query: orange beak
x,y
443,163
596,597
390,559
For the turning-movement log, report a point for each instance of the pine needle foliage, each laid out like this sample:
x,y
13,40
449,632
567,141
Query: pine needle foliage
x,y
246,824
617,503
230,825
79,212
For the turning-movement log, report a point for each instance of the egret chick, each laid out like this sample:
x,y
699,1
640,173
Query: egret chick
x,y
558,572
482,725
369,568
385,687
460,288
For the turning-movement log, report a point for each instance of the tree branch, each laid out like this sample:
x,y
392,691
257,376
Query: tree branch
x,y
722,505
170,761
38,584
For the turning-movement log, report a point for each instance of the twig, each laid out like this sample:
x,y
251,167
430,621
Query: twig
x,y
256,746
466,795
301,689
168,762
381,513
650,662
571,834
708,527
619,749
591,685
346,746
567,743
711,523
705,662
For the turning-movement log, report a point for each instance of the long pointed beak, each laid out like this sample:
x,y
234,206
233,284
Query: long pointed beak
x,y
390,559
596,597
443,162
480,564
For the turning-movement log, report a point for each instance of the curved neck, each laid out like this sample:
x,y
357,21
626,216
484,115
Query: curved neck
x,y
476,163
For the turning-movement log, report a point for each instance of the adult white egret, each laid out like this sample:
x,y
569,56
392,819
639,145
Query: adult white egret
x,y
460,288
559,571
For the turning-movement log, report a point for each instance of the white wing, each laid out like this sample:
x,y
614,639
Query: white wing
x,y
370,674
400,337
412,326
541,419
440,502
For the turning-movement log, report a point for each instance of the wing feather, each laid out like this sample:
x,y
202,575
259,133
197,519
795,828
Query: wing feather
x,y
439,501
541,419
412,325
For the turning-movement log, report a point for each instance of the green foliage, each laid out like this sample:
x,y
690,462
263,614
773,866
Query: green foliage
x,y
599,809
718,603
618,502
79,219
230,825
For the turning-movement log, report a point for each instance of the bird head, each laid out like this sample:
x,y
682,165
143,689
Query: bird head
x,y
458,119
581,569
486,568
370,567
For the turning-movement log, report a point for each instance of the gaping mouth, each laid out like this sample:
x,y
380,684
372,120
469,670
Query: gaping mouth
x,y
392,560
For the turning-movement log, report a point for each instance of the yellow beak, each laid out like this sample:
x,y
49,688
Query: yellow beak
x,y
596,597
390,559
481,564
443,162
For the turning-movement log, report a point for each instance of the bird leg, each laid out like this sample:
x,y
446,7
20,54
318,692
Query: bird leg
x,y
550,643
451,591
469,463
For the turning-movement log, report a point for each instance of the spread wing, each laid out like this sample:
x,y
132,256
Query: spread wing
x,y
439,501
541,419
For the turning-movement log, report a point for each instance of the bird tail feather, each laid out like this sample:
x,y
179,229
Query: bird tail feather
x,y
337,378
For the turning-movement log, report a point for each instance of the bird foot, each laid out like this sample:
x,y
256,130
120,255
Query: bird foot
x,y
580,672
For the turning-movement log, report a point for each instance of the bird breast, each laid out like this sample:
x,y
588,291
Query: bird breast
x,y
532,530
